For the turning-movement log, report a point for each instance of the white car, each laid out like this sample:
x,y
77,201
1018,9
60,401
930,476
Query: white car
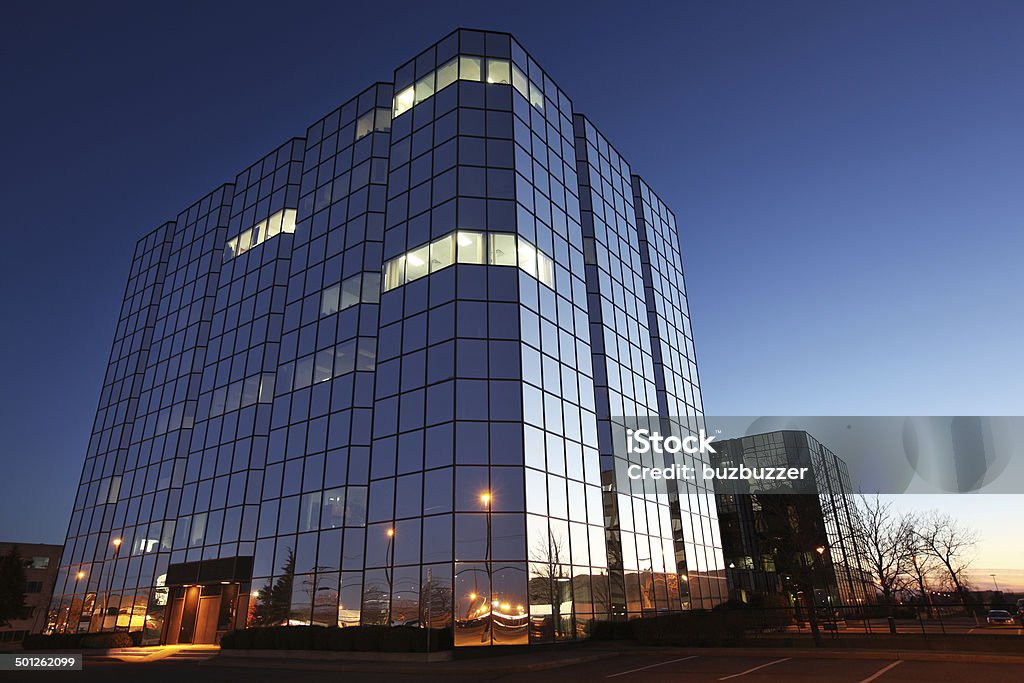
x,y
999,617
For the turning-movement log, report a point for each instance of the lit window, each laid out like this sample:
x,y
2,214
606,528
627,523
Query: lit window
x,y
527,257
545,270
231,250
417,263
350,291
471,247
258,234
404,101
447,74
364,125
366,356
497,71
329,300
394,273
288,224
503,249
382,120
425,88
470,68
520,83
244,241
274,225
442,254
536,97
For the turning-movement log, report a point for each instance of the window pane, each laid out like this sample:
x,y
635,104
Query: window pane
x,y
371,288
322,370
364,125
394,273
289,221
471,247
345,358
329,301
244,241
527,257
417,263
257,233
231,249
424,88
404,101
503,249
350,291
545,270
442,253
447,74
536,97
274,224
497,71
470,68
382,120
520,83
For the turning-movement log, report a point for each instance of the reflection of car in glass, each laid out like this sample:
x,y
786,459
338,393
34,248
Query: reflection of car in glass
x,y
999,616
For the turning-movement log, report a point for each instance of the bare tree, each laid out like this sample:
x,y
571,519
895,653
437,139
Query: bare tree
x,y
923,565
883,536
951,545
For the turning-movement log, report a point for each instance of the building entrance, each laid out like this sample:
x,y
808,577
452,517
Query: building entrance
x,y
201,613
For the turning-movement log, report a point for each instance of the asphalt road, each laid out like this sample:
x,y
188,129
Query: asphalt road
x,y
634,667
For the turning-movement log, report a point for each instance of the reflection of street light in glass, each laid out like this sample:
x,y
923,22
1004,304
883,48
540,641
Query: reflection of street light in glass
x,y
110,581
79,576
485,498
389,554
820,550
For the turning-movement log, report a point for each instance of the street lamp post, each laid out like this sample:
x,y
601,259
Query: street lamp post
x,y
994,582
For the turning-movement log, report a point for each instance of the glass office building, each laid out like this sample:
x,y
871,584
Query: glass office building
x,y
370,382
792,528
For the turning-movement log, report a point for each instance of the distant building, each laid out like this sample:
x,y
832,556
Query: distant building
x,y
769,538
41,562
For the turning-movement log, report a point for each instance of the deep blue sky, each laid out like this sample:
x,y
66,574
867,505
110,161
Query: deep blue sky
x,y
847,177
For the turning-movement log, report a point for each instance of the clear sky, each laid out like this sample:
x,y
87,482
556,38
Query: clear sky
x,y
847,177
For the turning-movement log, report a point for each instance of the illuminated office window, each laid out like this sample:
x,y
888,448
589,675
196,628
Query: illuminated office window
x,y
417,263
471,246
498,71
442,253
470,68
447,74
424,88
503,249
404,101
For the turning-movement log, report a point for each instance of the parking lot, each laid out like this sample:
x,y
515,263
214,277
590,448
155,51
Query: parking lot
x,y
634,665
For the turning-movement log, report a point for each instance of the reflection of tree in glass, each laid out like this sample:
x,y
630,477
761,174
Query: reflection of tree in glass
x,y
275,599
550,581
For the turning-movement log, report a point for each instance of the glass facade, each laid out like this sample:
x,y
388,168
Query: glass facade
x,y
821,522
370,381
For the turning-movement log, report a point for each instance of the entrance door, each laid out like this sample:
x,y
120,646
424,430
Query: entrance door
x,y
206,619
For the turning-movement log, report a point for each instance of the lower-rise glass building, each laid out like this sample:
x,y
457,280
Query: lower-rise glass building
x,y
371,380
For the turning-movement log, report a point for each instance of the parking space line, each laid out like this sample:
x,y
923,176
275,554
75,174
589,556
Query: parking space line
x,y
651,666
744,673
881,671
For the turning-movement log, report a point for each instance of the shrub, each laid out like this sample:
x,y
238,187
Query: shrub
x,y
85,641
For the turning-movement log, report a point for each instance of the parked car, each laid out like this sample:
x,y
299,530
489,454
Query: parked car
x,y
998,617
